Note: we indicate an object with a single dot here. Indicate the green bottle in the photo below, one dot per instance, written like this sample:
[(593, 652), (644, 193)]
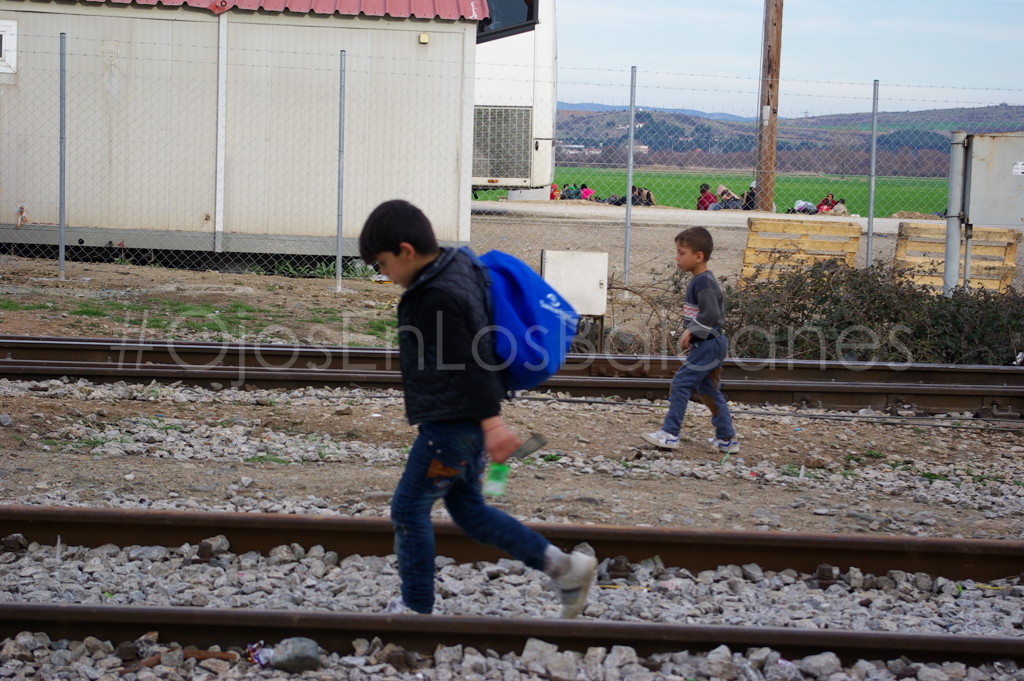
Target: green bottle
[(496, 479)]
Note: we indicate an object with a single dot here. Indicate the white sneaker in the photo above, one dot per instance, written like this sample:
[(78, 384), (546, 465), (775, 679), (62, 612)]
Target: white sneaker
[(575, 583), (397, 606), (660, 438), (730, 446)]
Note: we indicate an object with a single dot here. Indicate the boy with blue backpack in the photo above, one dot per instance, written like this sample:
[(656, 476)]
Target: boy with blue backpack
[(454, 385)]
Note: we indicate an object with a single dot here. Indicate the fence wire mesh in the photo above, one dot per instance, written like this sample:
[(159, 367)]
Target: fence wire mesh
[(152, 181), (822, 169)]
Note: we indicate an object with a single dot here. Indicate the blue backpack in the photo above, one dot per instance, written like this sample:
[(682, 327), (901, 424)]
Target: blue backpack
[(535, 325)]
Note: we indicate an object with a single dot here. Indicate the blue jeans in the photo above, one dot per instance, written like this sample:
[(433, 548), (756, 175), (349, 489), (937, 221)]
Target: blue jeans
[(448, 461), (701, 372)]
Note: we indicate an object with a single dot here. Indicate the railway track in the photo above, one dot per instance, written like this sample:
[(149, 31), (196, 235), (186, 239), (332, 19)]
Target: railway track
[(995, 391), (978, 559), (204, 627)]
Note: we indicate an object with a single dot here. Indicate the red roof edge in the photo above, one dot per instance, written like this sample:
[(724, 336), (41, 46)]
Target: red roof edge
[(473, 10)]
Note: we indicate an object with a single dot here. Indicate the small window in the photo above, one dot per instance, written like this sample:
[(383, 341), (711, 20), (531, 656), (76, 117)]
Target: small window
[(8, 46), (507, 17)]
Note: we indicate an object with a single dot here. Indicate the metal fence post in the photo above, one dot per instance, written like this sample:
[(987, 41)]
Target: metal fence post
[(954, 206), (871, 186), (63, 143), (341, 168), (968, 238), (629, 168), (220, 159)]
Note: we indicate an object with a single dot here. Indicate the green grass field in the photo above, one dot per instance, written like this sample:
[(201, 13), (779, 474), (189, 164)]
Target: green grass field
[(680, 189)]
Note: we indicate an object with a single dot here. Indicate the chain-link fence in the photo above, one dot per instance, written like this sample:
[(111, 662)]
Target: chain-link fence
[(179, 155), (693, 167), (183, 155)]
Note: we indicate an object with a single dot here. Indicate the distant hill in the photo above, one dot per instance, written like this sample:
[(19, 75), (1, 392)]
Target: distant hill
[(989, 117), (568, 106), (681, 130)]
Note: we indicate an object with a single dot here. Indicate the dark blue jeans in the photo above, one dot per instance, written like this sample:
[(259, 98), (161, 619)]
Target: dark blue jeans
[(448, 461), (701, 372)]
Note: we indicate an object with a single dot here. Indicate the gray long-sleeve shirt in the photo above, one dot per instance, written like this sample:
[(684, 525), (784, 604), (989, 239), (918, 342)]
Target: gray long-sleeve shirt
[(704, 306)]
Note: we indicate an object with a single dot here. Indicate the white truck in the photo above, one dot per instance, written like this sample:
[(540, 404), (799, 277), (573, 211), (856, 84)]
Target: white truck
[(515, 98)]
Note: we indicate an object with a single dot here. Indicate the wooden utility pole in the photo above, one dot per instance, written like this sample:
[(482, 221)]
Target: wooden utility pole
[(768, 115)]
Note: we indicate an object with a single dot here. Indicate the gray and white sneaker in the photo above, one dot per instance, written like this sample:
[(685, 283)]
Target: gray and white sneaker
[(730, 446), (397, 606), (660, 438), (574, 585)]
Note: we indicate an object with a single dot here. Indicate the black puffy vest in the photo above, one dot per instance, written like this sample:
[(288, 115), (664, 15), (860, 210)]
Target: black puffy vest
[(433, 394)]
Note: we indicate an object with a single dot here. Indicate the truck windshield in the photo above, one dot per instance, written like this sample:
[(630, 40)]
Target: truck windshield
[(506, 17)]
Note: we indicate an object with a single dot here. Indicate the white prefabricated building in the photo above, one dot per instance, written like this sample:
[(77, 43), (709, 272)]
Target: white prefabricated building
[(213, 125)]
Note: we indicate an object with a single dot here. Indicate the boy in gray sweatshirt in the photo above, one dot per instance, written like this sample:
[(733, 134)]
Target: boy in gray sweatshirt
[(703, 316)]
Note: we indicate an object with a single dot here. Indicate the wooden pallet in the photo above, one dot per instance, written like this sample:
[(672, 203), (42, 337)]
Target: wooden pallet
[(775, 245), (921, 249)]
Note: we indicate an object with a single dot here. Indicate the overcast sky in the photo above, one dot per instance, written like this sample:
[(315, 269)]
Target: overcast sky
[(976, 44)]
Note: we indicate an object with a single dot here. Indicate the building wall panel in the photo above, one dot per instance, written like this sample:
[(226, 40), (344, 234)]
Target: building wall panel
[(138, 93), (403, 124), (142, 112)]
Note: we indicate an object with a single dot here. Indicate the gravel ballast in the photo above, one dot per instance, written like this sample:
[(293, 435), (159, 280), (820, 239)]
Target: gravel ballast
[(292, 577), (991, 487), (34, 655)]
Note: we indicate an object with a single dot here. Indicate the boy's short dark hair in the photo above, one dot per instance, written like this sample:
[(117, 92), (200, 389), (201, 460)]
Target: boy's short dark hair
[(392, 223), (705, 188), (698, 240)]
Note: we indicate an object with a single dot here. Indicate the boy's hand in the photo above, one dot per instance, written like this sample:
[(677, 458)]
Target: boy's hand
[(499, 441), (684, 341)]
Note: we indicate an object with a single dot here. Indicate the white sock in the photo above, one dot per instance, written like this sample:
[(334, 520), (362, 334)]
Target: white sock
[(556, 561)]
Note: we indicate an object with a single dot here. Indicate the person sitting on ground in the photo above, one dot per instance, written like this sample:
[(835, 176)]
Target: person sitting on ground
[(750, 197), (646, 197), (586, 192), (453, 394), (707, 200), (827, 204), (555, 194), (840, 208), (575, 193), (729, 200)]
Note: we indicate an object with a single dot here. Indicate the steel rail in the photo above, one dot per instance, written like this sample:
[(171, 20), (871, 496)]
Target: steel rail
[(267, 355), (748, 390), (934, 388), (696, 550), (204, 627)]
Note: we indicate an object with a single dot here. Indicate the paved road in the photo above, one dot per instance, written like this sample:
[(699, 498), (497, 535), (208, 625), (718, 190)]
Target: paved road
[(654, 215)]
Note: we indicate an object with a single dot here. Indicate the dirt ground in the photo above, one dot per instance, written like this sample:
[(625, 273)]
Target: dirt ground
[(528, 229), (109, 300), (116, 301), (32, 464)]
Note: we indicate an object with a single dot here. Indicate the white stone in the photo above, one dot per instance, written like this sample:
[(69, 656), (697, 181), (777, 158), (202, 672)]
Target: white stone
[(821, 665)]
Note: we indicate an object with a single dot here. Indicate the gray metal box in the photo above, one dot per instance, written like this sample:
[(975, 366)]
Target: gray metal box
[(580, 277), (994, 184)]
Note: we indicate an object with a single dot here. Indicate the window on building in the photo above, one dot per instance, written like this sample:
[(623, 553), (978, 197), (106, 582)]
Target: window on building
[(8, 46), (507, 17)]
